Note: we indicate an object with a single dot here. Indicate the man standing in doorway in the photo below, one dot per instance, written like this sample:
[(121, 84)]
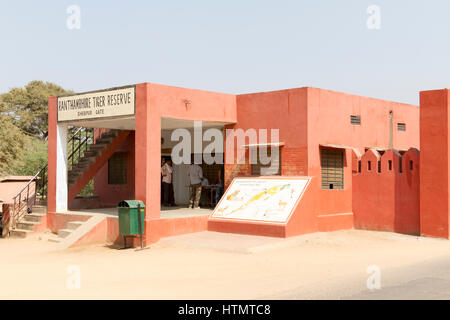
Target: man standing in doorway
[(167, 171), (195, 177)]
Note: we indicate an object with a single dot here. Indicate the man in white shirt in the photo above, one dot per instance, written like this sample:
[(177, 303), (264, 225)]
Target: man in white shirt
[(195, 178), (166, 172)]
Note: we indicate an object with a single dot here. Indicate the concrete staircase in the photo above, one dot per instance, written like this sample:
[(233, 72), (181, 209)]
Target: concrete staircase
[(93, 160), (30, 222), (75, 231), (89, 156), (64, 233)]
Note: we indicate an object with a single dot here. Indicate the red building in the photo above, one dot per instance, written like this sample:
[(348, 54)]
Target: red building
[(339, 140)]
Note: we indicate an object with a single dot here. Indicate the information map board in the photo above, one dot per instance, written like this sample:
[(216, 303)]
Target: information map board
[(261, 199)]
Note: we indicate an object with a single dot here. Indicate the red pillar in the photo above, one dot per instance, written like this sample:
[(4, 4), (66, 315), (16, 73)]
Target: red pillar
[(434, 163), (147, 152), (52, 153)]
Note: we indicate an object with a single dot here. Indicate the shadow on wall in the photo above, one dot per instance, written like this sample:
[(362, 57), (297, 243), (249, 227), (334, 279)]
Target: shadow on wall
[(386, 192)]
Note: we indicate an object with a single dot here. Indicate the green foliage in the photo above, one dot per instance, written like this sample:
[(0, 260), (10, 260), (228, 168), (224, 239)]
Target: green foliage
[(12, 144), (24, 127), (88, 190), (34, 158), (27, 107)]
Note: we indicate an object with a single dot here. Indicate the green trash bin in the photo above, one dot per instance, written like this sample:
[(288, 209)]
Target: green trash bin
[(128, 217)]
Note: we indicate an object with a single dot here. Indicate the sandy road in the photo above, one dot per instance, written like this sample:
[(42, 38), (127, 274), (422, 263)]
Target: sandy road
[(329, 265)]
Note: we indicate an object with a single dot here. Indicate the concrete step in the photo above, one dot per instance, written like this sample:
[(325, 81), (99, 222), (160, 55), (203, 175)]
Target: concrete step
[(74, 225), (98, 147), (77, 170), (92, 153), (27, 225), (73, 178), (73, 236), (86, 160), (34, 217), (55, 239), (104, 141), (39, 209), (75, 174), (19, 233), (42, 202), (80, 167), (64, 233), (109, 134)]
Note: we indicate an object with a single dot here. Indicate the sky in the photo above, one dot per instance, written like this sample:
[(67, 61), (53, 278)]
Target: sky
[(230, 46)]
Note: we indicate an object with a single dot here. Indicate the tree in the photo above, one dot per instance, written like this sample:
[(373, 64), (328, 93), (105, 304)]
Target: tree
[(33, 159), (27, 107), (12, 144)]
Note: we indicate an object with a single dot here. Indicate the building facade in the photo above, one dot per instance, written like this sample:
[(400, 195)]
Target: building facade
[(323, 134)]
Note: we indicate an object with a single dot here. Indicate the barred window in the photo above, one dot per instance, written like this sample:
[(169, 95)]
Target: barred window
[(332, 169), (271, 169), (401, 126), (117, 169)]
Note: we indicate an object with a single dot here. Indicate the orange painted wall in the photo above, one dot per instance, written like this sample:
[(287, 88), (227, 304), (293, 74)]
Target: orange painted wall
[(329, 123), (388, 200), (434, 163), (311, 117), (284, 110)]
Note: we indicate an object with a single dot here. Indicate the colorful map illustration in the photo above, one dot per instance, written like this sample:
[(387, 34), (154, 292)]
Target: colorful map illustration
[(263, 199)]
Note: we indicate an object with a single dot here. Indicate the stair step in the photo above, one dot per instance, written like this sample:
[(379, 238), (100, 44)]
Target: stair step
[(42, 202), (93, 153), (19, 233), (39, 209), (34, 217), (86, 160), (97, 147), (64, 233), (74, 174), (74, 225), (110, 134), (80, 167), (72, 180), (55, 239), (104, 141), (27, 225)]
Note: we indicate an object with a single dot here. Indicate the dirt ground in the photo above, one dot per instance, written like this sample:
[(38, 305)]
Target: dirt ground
[(314, 265)]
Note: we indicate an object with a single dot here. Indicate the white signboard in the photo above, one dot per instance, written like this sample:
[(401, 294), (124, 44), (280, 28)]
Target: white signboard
[(100, 104), (261, 199)]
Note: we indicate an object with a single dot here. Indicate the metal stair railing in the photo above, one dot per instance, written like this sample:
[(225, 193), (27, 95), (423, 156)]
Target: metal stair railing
[(37, 187)]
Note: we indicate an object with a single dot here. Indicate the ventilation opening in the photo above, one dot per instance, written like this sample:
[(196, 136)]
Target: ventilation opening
[(401, 126), (369, 165), (355, 120), (390, 165), (411, 165)]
